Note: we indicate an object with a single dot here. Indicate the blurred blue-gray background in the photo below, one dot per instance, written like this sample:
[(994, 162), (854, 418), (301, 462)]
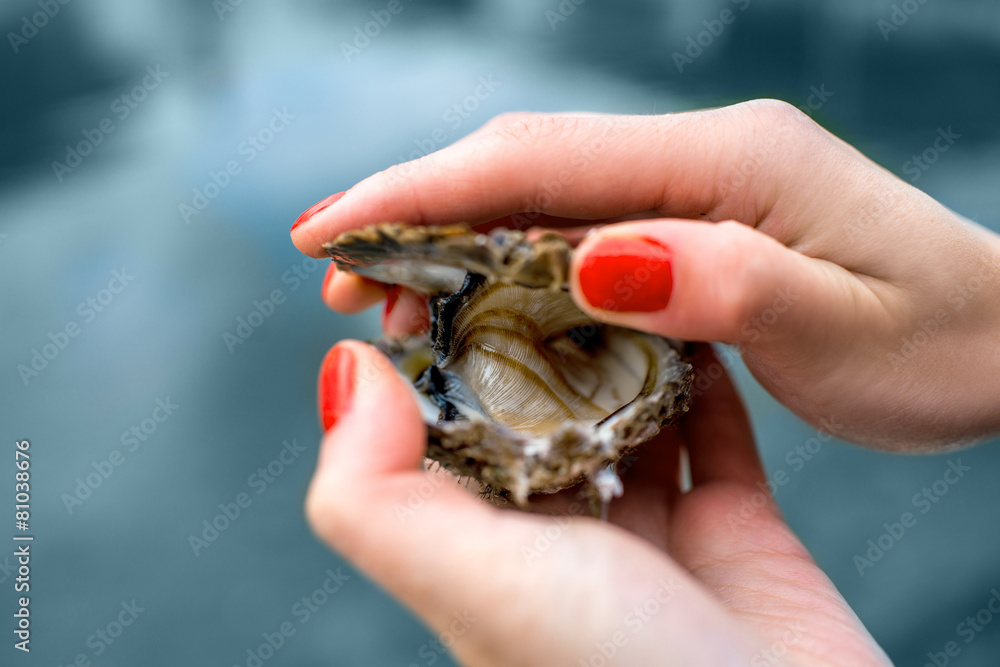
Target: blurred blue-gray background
[(128, 252)]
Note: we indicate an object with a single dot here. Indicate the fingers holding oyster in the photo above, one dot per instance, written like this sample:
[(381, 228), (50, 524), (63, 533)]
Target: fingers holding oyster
[(541, 589), (783, 239)]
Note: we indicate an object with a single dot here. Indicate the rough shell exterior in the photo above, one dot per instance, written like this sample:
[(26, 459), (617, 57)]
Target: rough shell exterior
[(505, 461), (500, 255)]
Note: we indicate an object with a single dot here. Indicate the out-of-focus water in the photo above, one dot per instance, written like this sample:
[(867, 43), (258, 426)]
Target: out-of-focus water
[(105, 247)]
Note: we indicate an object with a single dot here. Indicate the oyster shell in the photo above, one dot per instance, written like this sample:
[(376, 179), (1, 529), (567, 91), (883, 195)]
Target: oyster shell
[(519, 388)]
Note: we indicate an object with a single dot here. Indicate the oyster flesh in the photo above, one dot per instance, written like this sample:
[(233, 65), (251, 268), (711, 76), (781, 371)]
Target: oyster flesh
[(518, 387)]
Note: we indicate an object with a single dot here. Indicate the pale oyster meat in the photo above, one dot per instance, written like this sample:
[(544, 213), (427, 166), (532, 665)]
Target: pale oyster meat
[(518, 387)]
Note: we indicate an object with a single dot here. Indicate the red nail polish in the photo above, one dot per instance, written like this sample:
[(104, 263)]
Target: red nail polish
[(336, 385), (627, 274), (391, 297), (331, 271), (317, 207)]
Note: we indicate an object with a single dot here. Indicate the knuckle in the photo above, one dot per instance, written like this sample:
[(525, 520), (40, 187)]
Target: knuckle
[(773, 110), (769, 140), (780, 119)]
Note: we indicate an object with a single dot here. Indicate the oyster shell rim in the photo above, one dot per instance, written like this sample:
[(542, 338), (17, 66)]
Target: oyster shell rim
[(500, 253)]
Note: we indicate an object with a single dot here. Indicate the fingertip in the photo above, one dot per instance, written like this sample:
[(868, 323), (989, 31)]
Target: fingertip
[(349, 293), (304, 228), (305, 242), (625, 273), (719, 278), (372, 421), (363, 448), (406, 312), (336, 384), (371, 458)]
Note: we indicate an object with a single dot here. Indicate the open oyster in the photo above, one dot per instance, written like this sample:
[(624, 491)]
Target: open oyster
[(519, 388)]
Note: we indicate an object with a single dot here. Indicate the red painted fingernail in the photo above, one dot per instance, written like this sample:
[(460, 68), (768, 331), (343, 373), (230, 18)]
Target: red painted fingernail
[(336, 385), (627, 274), (317, 207), (331, 271), (391, 297)]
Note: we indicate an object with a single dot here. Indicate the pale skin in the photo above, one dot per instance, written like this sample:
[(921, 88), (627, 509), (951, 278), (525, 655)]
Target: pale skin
[(827, 271)]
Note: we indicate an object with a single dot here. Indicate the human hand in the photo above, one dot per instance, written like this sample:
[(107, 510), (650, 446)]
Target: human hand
[(855, 299), (673, 578)]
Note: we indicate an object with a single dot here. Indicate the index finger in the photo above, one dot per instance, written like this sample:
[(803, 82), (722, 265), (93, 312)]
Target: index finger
[(580, 168)]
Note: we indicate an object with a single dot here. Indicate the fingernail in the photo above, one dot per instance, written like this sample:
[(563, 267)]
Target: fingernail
[(336, 385), (317, 207), (331, 271), (627, 274), (391, 297)]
